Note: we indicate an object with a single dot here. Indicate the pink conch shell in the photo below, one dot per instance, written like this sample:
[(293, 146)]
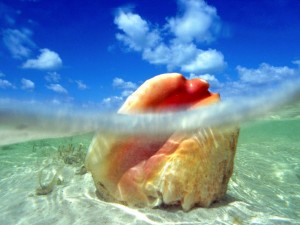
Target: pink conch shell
[(181, 168)]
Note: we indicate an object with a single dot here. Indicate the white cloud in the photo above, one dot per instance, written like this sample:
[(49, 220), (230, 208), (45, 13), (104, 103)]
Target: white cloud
[(5, 84), (46, 60), (205, 61), (126, 93), (211, 79), (81, 85), (120, 83), (265, 73), (253, 80), (57, 88), (174, 55), (18, 42), (52, 77), (27, 84), (161, 54), (126, 87), (181, 51), (199, 22), (187, 57), (137, 34), (112, 102), (296, 62), (112, 99), (208, 77)]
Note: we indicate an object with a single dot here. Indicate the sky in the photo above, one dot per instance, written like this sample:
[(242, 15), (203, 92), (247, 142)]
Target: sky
[(94, 54)]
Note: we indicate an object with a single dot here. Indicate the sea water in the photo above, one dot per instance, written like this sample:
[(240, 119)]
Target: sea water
[(264, 188)]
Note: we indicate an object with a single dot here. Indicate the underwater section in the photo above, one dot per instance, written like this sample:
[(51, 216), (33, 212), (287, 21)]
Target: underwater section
[(44, 182)]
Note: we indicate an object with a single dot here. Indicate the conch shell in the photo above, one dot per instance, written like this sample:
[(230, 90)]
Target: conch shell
[(184, 169)]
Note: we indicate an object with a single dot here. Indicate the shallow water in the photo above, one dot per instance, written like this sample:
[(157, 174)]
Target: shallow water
[(264, 189)]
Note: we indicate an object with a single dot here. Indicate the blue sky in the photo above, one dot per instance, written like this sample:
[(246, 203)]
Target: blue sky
[(95, 53)]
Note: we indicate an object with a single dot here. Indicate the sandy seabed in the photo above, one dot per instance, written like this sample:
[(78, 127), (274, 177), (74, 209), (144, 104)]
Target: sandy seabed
[(265, 187)]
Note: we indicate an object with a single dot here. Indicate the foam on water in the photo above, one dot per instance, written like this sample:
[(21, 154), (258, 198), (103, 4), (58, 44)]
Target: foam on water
[(20, 122)]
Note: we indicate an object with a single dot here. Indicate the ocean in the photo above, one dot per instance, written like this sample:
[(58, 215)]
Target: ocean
[(264, 188)]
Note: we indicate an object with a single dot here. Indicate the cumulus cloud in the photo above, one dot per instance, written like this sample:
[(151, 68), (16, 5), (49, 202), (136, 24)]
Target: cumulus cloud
[(137, 34), (265, 73), (5, 84), (205, 61), (81, 85), (187, 57), (296, 62), (120, 83), (181, 50), (57, 88), (27, 84), (126, 88), (211, 79), (173, 55), (46, 60), (112, 102), (126, 93), (18, 42), (109, 100), (253, 80), (52, 77), (199, 22)]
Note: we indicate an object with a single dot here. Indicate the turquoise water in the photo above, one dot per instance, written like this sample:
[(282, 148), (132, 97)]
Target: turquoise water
[(264, 189)]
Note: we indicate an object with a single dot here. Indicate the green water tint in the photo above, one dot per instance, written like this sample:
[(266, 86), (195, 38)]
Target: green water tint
[(267, 167), (264, 189), (50, 157), (68, 155), (45, 189)]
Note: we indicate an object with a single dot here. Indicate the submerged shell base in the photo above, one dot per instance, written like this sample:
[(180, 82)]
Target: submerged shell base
[(195, 172)]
